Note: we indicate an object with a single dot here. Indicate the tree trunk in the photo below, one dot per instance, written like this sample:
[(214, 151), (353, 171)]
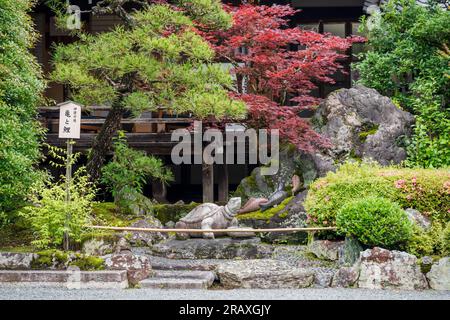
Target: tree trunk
[(102, 142)]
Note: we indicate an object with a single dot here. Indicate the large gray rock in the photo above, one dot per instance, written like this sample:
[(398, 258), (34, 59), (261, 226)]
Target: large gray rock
[(179, 279), (326, 249), (293, 215), (298, 256), (219, 248), (262, 186), (146, 238), (381, 269), (263, 274), (122, 246), (360, 123), (323, 277), (133, 203), (439, 275), (16, 261), (97, 247), (345, 277), (138, 267), (349, 252), (417, 218)]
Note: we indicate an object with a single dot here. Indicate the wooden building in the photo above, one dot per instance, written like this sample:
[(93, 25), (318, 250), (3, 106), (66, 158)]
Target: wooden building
[(151, 132)]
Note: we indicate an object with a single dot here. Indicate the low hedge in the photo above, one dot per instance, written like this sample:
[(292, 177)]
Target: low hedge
[(375, 222), (426, 190)]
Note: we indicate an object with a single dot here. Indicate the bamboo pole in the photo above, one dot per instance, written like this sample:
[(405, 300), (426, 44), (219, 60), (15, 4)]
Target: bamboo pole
[(213, 230)]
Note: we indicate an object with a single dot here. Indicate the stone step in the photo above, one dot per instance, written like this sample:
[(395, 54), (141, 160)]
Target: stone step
[(174, 283), (116, 279), (187, 274), (161, 263), (179, 279), (219, 248)]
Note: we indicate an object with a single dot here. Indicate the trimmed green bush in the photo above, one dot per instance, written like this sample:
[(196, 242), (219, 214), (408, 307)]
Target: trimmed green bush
[(426, 190), (445, 240), (374, 221), (426, 242)]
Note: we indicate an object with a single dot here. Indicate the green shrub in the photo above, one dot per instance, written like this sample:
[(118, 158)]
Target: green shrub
[(426, 190), (51, 215), (407, 60), (4, 220), (426, 243), (374, 221), (445, 240), (21, 86), (127, 174)]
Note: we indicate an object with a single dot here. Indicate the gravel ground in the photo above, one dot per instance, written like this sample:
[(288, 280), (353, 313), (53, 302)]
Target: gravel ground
[(11, 292)]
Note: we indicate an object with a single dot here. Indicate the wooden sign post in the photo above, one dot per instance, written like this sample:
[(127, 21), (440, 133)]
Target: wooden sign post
[(69, 128)]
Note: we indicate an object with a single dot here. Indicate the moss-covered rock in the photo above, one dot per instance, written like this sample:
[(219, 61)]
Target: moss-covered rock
[(172, 212), (366, 131), (266, 215), (56, 259), (88, 263), (289, 213), (131, 202), (257, 185), (107, 214)]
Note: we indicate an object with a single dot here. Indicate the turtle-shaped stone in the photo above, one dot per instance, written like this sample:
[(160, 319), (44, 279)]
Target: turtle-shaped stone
[(210, 216)]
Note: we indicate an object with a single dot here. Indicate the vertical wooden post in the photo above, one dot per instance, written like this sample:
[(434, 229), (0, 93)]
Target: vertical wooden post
[(208, 182), (66, 240), (222, 180)]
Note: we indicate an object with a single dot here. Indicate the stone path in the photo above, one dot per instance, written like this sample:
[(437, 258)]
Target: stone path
[(17, 293)]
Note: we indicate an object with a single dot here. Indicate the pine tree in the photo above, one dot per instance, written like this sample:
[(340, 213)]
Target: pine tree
[(155, 58)]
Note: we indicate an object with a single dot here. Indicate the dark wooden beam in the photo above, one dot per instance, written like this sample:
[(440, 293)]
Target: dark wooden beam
[(208, 182), (153, 143), (127, 121), (222, 181)]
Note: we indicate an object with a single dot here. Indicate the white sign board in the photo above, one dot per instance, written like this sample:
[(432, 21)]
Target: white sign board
[(69, 120)]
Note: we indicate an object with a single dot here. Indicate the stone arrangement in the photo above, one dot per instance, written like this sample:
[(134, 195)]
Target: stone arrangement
[(361, 124), (244, 263)]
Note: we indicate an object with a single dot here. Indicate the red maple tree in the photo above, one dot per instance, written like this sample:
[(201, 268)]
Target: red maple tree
[(276, 65)]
